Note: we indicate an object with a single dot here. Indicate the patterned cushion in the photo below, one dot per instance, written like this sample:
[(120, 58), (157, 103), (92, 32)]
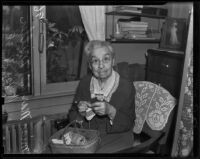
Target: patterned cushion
[(153, 105)]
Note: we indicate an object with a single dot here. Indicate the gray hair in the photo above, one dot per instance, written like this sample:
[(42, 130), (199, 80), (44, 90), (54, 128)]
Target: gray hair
[(94, 44)]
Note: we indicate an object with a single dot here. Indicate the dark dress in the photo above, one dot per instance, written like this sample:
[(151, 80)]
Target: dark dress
[(119, 135)]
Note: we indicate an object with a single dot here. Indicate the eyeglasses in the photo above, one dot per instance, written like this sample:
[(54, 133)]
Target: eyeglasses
[(105, 60)]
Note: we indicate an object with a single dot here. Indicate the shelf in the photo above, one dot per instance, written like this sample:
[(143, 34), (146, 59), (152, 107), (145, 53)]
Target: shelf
[(133, 40), (135, 14)]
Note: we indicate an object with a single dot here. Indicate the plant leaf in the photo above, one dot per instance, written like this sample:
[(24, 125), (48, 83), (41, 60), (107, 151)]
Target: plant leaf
[(53, 29), (51, 24)]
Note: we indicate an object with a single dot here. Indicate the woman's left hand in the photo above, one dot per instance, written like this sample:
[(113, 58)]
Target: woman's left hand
[(101, 108)]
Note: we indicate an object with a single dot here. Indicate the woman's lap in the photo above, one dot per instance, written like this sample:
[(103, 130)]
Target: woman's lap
[(112, 143)]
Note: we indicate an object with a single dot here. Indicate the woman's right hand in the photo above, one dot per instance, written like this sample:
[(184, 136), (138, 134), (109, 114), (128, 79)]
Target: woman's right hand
[(82, 106)]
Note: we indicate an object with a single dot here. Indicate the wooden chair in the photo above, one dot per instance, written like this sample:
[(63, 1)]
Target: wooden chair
[(154, 108)]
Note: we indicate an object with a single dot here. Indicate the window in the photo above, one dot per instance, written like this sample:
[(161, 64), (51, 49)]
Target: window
[(43, 48), (64, 42), (60, 54), (16, 54)]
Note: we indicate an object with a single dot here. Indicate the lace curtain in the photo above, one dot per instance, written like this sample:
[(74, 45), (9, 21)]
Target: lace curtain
[(93, 18)]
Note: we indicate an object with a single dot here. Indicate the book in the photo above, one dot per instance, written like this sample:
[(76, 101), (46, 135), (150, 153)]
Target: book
[(134, 6), (146, 38), (135, 32), (134, 29), (139, 23), (133, 24)]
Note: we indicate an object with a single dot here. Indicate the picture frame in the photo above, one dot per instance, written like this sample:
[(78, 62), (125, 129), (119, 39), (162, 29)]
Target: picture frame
[(174, 34)]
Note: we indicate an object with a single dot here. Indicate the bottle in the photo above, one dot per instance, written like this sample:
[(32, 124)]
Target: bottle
[(118, 35)]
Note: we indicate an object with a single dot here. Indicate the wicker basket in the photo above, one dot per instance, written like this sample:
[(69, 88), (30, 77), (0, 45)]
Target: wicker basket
[(92, 136)]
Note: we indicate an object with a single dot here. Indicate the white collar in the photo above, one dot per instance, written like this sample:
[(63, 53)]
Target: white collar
[(109, 87)]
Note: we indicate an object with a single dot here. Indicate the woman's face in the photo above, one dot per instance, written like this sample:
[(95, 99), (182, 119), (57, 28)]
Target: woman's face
[(101, 63)]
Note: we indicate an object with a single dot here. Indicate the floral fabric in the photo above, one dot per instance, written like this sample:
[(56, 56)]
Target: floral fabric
[(153, 104), (184, 147), (185, 140)]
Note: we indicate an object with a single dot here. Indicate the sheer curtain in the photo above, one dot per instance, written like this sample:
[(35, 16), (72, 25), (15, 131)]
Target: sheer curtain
[(93, 18)]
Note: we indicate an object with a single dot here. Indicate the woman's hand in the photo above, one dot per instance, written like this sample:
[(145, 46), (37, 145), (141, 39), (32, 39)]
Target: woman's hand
[(82, 107), (102, 108)]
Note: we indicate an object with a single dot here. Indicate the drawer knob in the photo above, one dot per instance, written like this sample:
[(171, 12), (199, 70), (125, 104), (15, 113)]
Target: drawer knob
[(165, 65)]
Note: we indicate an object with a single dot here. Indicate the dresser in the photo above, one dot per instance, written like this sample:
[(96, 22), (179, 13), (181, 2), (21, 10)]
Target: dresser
[(165, 68)]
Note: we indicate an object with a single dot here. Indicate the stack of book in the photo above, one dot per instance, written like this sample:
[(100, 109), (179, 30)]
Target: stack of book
[(134, 29)]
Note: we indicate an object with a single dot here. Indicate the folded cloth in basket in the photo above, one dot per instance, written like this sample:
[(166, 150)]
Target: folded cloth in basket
[(57, 141), (71, 138)]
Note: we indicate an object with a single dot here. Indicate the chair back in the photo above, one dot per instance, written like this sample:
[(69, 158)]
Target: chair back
[(154, 107)]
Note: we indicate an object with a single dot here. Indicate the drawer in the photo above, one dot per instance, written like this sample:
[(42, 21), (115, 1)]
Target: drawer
[(163, 64), (171, 83)]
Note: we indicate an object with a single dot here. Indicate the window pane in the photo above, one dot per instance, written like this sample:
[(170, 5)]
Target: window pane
[(16, 55), (64, 42)]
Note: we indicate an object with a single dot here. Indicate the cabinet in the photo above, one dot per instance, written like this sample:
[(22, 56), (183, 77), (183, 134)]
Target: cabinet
[(112, 22), (165, 68)]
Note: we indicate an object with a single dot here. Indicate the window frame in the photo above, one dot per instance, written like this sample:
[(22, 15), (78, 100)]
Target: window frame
[(40, 86)]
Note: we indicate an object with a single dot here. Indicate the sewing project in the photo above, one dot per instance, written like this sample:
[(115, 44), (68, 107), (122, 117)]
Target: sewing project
[(104, 94), (89, 114)]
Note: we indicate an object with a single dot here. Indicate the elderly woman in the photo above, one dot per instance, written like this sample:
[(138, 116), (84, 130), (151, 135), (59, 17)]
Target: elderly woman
[(104, 101)]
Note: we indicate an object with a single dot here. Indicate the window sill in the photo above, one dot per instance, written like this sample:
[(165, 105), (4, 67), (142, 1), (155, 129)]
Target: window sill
[(13, 99)]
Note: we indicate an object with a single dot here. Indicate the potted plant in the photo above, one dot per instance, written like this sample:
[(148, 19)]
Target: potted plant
[(61, 43), (13, 70), (16, 58)]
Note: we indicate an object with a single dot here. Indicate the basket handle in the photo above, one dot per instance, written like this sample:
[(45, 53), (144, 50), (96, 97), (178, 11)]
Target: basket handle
[(72, 122)]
